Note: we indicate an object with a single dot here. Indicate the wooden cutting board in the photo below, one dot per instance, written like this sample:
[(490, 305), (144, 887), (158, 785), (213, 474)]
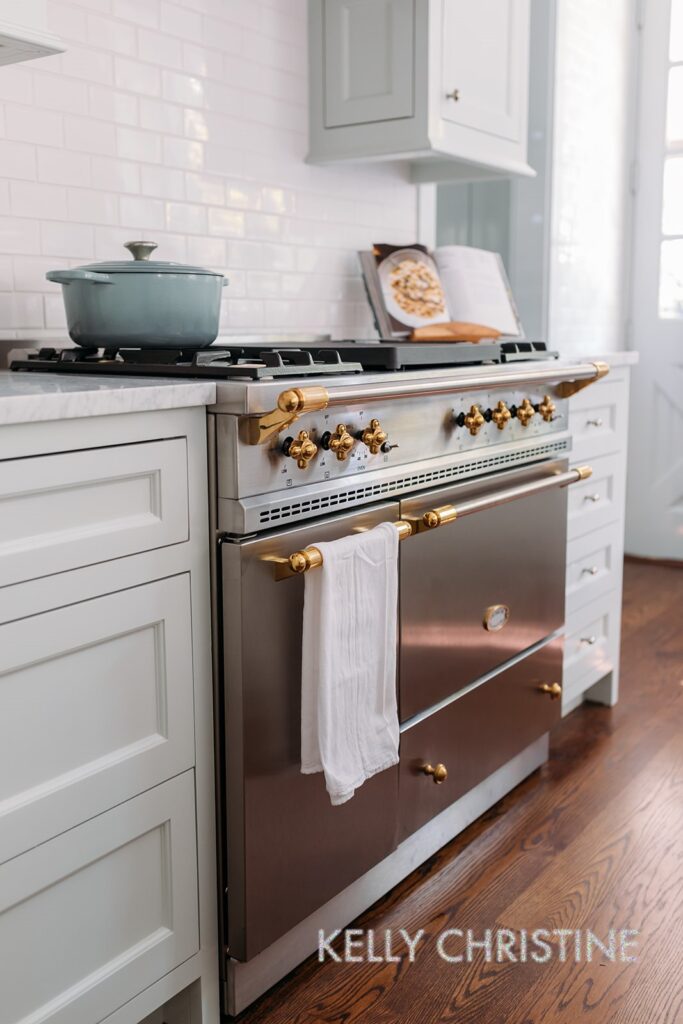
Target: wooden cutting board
[(454, 331)]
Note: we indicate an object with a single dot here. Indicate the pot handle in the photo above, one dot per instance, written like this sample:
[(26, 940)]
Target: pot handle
[(67, 276)]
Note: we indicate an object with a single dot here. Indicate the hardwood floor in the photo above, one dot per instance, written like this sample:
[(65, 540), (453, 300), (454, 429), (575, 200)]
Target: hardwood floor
[(594, 840)]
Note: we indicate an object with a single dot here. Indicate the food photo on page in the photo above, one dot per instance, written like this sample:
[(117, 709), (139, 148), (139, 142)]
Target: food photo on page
[(341, 511)]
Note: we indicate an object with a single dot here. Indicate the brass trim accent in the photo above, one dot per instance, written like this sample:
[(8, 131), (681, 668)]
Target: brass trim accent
[(525, 412), (439, 516), (311, 557), (567, 388), (291, 404), (373, 437), (491, 616), (554, 690), (302, 449), (474, 420), (547, 408), (341, 443), (438, 772), (583, 472), (501, 415)]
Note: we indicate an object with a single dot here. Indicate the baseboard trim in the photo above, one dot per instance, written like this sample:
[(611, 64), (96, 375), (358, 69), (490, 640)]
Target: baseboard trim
[(247, 981)]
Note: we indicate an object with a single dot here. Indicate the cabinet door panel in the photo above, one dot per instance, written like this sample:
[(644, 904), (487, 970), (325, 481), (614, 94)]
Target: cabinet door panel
[(90, 919), (368, 60), (96, 705), (484, 54)]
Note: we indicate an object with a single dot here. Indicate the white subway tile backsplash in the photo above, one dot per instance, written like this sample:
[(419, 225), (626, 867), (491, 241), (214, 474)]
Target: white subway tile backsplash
[(137, 76), (184, 121), (30, 124), (36, 199), (141, 146), (90, 135)]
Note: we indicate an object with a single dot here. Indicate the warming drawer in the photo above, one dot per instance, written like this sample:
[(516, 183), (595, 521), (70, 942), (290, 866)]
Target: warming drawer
[(476, 734)]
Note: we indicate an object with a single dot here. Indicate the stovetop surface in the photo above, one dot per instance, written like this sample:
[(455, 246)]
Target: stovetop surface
[(261, 360)]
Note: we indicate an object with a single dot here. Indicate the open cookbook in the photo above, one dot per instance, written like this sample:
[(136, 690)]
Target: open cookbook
[(455, 293)]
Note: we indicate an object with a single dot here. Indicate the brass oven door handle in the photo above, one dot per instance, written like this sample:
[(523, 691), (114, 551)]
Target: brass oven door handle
[(311, 557), (449, 513)]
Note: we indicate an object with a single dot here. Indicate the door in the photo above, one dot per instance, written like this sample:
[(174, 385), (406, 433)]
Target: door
[(654, 509), (477, 591), (484, 64), (288, 850)]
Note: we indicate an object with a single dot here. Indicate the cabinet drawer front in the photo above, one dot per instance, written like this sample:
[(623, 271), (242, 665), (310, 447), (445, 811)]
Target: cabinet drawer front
[(476, 734), (368, 61), (599, 422), (111, 904), (62, 511), (594, 565), (592, 640), (96, 705), (597, 501)]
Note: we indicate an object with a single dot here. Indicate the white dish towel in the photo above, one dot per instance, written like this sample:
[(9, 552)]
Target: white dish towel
[(349, 717)]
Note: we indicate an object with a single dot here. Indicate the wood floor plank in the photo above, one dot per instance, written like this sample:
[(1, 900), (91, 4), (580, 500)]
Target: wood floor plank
[(594, 834)]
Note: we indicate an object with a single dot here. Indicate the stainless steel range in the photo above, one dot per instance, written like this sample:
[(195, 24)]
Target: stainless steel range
[(465, 449), (470, 463)]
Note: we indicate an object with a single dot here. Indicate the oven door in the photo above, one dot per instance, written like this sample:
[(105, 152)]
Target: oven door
[(482, 587), (287, 849)]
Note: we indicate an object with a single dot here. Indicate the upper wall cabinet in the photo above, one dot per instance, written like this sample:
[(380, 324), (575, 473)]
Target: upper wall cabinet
[(24, 33), (441, 83)]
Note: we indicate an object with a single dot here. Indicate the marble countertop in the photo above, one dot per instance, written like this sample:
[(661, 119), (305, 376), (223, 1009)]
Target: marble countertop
[(30, 397)]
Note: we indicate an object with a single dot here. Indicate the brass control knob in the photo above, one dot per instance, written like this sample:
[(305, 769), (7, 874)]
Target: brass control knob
[(341, 442), (501, 415), (547, 408), (438, 772), (374, 437), (554, 690), (525, 412), (301, 448), (474, 420)]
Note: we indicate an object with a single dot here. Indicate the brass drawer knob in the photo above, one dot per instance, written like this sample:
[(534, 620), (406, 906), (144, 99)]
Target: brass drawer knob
[(438, 772), (554, 690)]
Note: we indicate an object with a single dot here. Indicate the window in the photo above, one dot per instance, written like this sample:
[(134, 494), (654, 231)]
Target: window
[(671, 249)]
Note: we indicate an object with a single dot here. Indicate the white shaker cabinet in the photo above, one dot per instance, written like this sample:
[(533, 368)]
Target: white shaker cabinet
[(441, 83)]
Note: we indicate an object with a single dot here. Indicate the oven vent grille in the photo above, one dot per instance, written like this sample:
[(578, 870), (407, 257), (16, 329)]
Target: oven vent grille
[(306, 507)]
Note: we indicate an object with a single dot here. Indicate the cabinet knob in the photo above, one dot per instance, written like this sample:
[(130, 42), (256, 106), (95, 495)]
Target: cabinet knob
[(438, 772), (554, 690), (455, 95), (592, 571)]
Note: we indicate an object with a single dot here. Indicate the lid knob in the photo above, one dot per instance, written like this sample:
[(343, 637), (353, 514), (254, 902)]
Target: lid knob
[(141, 250)]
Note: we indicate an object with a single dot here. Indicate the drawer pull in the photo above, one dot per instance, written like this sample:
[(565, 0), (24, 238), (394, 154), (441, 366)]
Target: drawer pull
[(589, 640), (592, 571), (595, 423), (554, 690), (438, 772), (592, 497)]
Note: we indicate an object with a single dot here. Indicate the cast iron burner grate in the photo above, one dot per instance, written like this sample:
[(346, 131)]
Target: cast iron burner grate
[(250, 363)]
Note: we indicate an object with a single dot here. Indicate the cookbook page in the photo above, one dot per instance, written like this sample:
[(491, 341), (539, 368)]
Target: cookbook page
[(477, 288)]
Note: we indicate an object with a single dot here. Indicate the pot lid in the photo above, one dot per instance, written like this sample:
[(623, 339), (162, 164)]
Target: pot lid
[(141, 263)]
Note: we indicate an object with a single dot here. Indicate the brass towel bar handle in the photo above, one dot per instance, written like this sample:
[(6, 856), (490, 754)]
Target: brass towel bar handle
[(311, 557), (295, 402)]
